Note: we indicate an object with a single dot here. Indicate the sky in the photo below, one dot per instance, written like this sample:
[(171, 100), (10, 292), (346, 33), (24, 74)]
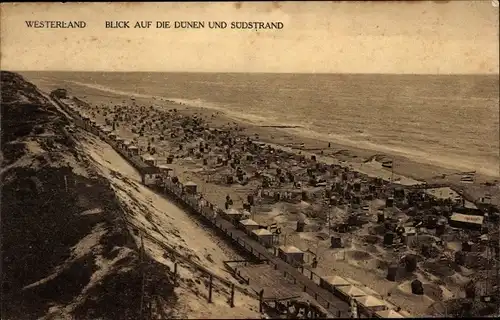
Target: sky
[(424, 37)]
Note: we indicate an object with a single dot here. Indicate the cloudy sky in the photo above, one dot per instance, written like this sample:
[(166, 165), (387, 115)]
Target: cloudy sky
[(347, 37)]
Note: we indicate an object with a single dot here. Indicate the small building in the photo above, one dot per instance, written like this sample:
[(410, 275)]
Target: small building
[(348, 293), (332, 282), (119, 141), (469, 246), (106, 130), (264, 236), (86, 121), (409, 234), (190, 187), (166, 170), (384, 314), (389, 202), (133, 150), (100, 128), (149, 160), (232, 214), (94, 127), (369, 304), (60, 93), (249, 225), (245, 214), (466, 221), (335, 242), (369, 291), (104, 133), (291, 255), (150, 176)]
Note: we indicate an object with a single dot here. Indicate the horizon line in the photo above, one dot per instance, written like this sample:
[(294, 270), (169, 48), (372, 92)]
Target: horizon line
[(266, 72)]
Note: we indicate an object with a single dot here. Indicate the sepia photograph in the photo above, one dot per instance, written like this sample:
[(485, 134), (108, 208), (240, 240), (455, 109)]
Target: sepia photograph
[(250, 160)]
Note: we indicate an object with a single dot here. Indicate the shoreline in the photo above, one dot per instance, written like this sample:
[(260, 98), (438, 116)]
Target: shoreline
[(299, 131), (403, 166)]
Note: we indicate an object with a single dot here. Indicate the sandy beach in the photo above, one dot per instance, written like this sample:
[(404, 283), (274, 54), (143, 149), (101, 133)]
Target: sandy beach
[(288, 136), (155, 125)]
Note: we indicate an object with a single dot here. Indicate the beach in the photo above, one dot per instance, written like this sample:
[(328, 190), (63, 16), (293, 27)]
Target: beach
[(163, 129), (445, 121), (422, 167)]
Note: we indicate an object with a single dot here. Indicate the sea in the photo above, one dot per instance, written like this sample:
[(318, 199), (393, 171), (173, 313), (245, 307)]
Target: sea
[(447, 120)]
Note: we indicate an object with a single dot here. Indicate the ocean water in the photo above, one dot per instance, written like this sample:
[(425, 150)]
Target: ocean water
[(451, 121)]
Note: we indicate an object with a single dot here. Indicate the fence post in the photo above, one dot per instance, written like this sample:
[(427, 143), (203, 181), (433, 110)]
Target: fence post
[(311, 276), (210, 289), (175, 273), (261, 300), (232, 295)]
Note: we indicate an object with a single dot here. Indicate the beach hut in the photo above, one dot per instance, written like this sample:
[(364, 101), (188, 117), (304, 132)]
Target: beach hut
[(150, 175), (264, 236), (291, 255), (332, 282), (389, 202), (232, 214), (105, 131), (409, 235), (249, 225), (133, 150), (245, 214), (149, 160), (369, 291), (165, 169), (335, 242), (190, 187), (466, 221), (86, 121), (349, 292), (387, 314), (119, 141), (369, 304), (94, 127), (60, 93)]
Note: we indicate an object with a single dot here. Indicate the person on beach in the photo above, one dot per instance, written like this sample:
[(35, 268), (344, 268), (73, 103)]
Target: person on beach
[(314, 263)]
